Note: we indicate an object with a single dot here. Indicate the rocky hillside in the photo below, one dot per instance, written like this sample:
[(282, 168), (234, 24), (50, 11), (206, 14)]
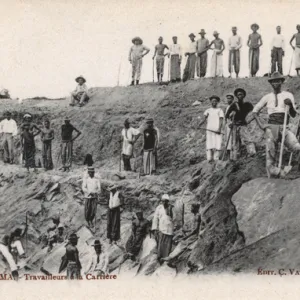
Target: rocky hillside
[(244, 215)]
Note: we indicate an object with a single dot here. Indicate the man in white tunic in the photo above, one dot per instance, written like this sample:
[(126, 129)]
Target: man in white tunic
[(276, 103), (98, 265), (129, 136), (214, 117), (277, 51), (234, 44)]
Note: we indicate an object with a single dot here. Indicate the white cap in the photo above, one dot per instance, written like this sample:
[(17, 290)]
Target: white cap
[(165, 197)]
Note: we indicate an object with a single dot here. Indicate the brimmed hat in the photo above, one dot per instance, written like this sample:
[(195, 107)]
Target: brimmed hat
[(191, 35), (215, 97), (7, 113), (112, 186), (127, 121), (60, 225), (215, 32), (202, 31), (165, 197), (254, 25), (80, 77), (229, 95), (56, 217), (96, 243), (233, 27), (137, 39), (275, 76), (67, 118), (240, 90), (91, 169), (27, 116), (149, 120), (73, 236), (175, 36)]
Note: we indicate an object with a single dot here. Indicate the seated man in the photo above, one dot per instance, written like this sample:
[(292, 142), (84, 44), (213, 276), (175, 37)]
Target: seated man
[(80, 95)]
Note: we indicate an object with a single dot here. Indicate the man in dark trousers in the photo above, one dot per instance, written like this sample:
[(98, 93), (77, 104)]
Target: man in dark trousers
[(67, 143), (151, 139), (237, 113)]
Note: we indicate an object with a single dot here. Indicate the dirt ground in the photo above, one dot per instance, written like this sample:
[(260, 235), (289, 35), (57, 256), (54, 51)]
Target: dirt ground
[(181, 163)]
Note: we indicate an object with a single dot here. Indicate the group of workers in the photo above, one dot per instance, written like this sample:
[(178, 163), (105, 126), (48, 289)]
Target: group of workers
[(197, 55)]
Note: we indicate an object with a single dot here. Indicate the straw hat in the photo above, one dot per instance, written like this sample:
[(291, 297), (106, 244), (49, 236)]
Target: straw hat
[(137, 38), (80, 77), (240, 90), (215, 97), (275, 76)]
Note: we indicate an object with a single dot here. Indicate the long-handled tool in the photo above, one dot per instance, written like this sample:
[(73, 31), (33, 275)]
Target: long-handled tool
[(250, 62), (153, 70), (211, 130), (289, 75), (120, 160), (283, 137), (26, 235), (227, 142), (118, 83)]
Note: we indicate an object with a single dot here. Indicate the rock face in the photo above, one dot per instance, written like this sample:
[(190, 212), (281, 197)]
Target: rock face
[(266, 206)]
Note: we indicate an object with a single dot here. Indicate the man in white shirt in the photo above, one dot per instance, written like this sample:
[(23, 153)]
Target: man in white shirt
[(80, 95), (276, 103), (8, 130), (175, 55), (189, 71), (129, 136), (91, 188), (234, 44), (99, 263), (162, 227), (136, 54), (277, 50)]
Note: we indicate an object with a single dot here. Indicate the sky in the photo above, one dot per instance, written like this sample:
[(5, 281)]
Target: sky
[(46, 44)]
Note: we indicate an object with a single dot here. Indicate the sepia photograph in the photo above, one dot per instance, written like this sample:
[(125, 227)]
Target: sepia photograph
[(149, 149)]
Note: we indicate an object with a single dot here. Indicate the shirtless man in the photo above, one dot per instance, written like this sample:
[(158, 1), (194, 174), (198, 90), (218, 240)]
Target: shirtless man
[(254, 43), (72, 254), (160, 58), (217, 57), (296, 48), (47, 135)]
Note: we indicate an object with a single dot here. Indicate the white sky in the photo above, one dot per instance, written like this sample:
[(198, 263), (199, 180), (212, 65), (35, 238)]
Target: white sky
[(45, 44)]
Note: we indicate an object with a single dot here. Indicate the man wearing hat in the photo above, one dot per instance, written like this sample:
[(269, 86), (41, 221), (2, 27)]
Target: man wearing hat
[(67, 143), (91, 188), (8, 130), (296, 49), (136, 54), (254, 43), (217, 57), (80, 95), (114, 214), (72, 257), (151, 139), (189, 70), (159, 52), (129, 137), (175, 55), (240, 135), (214, 117), (202, 47), (98, 264), (139, 231), (276, 104), (163, 228), (234, 44)]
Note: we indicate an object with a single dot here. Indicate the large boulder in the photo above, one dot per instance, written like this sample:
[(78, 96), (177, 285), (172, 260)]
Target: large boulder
[(265, 206)]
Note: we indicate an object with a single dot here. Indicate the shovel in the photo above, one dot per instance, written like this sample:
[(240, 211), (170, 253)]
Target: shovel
[(289, 75), (288, 168)]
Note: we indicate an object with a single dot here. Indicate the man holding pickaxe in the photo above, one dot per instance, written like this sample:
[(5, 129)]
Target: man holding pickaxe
[(280, 106)]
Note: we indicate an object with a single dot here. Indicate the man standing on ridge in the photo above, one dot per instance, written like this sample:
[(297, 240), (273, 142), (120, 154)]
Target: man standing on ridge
[(189, 71), (277, 51), (202, 48), (175, 56), (254, 43), (9, 130), (276, 103), (234, 44), (217, 57), (160, 58), (296, 49), (136, 54), (67, 143)]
